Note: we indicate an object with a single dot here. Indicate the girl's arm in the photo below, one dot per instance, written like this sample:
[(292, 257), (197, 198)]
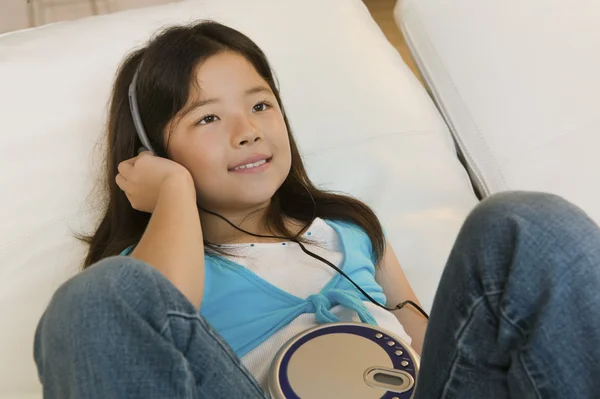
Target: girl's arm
[(172, 242), (396, 288)]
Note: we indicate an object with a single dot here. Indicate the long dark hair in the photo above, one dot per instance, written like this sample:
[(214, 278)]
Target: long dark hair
[(163, 86)]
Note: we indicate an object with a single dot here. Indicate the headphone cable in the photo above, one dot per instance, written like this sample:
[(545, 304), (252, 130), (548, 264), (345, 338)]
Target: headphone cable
[(319, 258)]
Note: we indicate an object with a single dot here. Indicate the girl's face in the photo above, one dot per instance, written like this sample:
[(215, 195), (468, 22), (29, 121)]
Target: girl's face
[(231, 136)]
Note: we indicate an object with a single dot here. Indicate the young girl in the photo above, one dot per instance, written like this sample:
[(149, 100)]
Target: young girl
[(205, 296)]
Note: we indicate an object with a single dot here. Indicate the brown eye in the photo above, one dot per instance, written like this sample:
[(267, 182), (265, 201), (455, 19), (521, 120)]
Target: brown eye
[(208, 119), (263, 106)]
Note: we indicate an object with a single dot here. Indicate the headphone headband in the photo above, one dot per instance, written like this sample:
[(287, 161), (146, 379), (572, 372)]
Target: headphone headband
[(135, 113)]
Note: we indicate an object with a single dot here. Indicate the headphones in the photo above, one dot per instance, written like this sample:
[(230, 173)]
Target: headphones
[(139, 127), (135, 113)]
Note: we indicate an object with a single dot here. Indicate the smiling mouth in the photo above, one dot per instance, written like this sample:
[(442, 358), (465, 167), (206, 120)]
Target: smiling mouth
[(252, 165)]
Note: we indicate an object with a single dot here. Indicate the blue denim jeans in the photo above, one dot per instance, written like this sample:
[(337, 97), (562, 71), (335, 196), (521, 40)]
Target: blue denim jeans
[(516, 315)]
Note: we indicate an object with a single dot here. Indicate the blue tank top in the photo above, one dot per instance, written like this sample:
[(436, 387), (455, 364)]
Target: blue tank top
[(246, 310)]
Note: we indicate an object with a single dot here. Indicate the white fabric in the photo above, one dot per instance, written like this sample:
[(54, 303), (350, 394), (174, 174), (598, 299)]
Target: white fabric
[(363, 123), (287, 267), (518, 83)]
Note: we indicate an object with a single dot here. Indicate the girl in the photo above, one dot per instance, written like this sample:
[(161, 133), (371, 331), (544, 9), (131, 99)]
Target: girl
[(214, 225)]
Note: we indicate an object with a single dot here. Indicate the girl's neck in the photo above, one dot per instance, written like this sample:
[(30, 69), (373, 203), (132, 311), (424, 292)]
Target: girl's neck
[(217, 231)]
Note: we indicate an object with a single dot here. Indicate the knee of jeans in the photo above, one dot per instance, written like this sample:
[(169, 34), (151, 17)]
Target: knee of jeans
[(121, 270), (543, 209), (98, 285), (124, 269), (78, 306)]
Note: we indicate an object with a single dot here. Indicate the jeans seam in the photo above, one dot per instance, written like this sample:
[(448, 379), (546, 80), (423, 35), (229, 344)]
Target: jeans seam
[(523, 335), (530, 377), (458, 337), (504, 315), (236, 360), (471, 312)]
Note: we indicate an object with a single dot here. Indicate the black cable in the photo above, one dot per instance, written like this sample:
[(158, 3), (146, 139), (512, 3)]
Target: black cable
[(398, 307), (325, 261), (147, 147)]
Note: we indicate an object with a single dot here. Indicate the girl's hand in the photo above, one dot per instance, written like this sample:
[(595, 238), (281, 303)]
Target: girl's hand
[(142, 178)]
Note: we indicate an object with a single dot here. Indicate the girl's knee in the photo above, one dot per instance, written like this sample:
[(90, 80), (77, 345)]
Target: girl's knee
[(524, 202), (85, 306), (97, 287), (540, 214), (122, 269), (531, 206)]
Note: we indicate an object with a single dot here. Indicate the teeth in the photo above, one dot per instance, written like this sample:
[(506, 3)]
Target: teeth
[(251, 165)]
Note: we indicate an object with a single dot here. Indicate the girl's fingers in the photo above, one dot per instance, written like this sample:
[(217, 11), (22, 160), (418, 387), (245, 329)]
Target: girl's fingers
[(143, 154), (125, 166), (121, 181)]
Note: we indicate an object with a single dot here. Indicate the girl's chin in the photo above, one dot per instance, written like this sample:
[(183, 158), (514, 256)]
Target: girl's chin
[(249, 202)]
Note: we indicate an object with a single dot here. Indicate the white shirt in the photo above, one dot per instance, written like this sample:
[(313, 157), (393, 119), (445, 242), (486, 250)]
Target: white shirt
[(287, 267)]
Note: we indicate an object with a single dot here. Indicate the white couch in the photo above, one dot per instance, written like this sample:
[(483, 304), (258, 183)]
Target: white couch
[(518, 83), (363, 123)]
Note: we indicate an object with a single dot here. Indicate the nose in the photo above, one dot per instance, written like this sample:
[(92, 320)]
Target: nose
[(245, 132)]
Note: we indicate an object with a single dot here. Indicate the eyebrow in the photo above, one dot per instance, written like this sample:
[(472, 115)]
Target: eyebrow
[(201, 103)]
